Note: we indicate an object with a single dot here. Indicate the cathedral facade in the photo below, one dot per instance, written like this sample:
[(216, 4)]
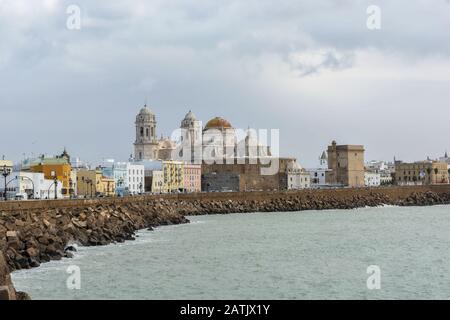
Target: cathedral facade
[(217, 142)]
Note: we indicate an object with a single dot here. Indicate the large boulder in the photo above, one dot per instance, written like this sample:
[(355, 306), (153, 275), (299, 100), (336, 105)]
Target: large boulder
[(7, 290)]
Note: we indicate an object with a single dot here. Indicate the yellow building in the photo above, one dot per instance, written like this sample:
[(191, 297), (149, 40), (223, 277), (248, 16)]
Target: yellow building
[(92, 183), (53, 168), (420, 173), (173, 173), (6, 163)]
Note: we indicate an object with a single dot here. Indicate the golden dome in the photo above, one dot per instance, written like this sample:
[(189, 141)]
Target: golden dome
[(218, 123)]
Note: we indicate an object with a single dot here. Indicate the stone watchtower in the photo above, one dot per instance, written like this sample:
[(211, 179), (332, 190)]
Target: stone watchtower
[(146, 145), (346, 164)]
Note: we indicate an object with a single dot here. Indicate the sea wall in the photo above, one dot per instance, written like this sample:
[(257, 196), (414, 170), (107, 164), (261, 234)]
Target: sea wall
[(33, 232)]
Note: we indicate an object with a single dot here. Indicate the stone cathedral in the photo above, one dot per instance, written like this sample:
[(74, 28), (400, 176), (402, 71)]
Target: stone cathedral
[(148, 147)]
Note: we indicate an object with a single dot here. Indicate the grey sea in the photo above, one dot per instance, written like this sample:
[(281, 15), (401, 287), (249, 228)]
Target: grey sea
[(295, 255)]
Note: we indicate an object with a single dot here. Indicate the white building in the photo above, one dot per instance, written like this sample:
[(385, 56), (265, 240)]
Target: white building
[(318, 175), (31, 185), (384, 169), (372, 179), (128, 176), (297, 177), (136, 178)]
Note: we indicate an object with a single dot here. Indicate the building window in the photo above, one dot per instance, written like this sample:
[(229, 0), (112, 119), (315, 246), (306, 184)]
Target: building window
[(142, 131)]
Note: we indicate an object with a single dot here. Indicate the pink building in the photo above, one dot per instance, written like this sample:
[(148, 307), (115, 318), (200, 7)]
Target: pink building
[(193, 177)]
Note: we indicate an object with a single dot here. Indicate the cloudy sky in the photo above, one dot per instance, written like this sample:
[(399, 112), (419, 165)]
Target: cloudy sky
[(312, 69)]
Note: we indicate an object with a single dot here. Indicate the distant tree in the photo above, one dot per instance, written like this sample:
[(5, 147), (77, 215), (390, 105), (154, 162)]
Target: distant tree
[(429, 174)]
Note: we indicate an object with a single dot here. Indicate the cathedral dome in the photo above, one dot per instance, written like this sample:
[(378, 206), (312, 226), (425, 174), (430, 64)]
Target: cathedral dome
[(145, 114), (218, 123), (145, 110), (190, 116)]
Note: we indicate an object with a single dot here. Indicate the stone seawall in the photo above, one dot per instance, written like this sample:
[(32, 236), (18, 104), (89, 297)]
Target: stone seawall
[(33, 232)]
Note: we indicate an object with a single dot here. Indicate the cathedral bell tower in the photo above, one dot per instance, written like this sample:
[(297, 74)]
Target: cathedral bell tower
[(146, 145)]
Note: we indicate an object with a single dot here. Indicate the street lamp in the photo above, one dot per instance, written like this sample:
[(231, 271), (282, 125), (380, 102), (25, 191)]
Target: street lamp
[(55, 183), (5, 173), (32, 182), (119, 185)]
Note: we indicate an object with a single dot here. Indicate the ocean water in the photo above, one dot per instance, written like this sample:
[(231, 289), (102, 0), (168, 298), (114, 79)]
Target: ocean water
[(296, 255)]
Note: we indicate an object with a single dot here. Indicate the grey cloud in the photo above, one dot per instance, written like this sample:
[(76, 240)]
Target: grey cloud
[(81, 89)]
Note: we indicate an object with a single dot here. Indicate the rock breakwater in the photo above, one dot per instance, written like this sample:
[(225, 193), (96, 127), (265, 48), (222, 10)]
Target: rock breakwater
[(34, 233), (28, 238)]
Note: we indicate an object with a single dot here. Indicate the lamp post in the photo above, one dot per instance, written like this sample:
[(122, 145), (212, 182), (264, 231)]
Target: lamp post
[(55, 181), (32, 183), (5, 173), (119, 184)]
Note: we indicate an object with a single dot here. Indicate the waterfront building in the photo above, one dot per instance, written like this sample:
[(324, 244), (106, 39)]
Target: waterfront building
[(117, 171), (173, 172), (92, 183), (192, 177), (73, 183), (53, 167), (346, 164), (8, 164), (248, 177), (372, 179), (318, 174), (297, 177), (129, 177), (386, 178), (157, 181), (421, 173), (150, 166), (31, 185), (136, 178), (172, 179), (446, 160), (384, 169)]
